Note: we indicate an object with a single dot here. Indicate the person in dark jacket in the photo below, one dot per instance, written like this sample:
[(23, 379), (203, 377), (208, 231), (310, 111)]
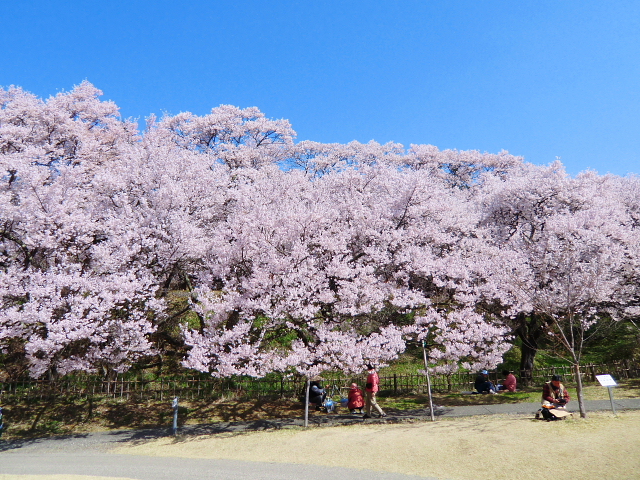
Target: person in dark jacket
[(483, 384), (317, 394)]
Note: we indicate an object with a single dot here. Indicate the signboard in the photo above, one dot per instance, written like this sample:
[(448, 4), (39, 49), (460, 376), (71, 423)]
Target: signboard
[(606, 380)]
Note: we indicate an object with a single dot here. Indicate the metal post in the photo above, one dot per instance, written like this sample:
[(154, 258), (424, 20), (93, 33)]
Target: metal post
[(175, 415), (426, 369), (613, 408), (306, 403)]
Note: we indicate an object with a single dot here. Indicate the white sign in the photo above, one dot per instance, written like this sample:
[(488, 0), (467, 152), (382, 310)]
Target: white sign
[(606, 380)]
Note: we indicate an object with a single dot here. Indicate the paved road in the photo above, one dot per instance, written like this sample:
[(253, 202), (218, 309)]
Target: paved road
[(159, 468), (89, 454)]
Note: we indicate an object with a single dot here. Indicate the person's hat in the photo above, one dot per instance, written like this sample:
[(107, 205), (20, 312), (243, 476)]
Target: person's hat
[(484, 372), (556, 378)]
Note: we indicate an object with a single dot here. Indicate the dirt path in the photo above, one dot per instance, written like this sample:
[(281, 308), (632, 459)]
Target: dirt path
[(601, 446), (58, 477), (470, 448)]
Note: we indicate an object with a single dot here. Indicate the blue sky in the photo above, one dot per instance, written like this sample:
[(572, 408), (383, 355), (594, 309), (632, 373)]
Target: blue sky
[(541, 79)]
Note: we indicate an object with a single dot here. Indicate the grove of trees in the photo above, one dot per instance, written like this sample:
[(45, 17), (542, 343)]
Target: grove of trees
[(221, 242)]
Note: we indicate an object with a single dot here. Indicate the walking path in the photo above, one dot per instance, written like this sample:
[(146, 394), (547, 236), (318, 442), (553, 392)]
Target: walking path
[(87, 454), (401, 416), (530, 408)]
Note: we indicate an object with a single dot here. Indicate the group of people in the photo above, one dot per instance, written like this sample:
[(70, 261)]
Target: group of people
[(554, 394), (484, 385), (356, 400)]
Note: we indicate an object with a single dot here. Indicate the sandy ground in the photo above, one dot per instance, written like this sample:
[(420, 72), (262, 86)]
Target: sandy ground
[(58, 477), (473, 448), (497, 447)]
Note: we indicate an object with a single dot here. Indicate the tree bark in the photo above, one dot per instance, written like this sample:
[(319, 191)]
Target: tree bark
[(527, 358), (576, 371), (530, 330)]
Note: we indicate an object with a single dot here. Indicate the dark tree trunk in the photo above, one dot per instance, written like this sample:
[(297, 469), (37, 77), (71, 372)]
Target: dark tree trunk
[(530, 330), (527, 358)]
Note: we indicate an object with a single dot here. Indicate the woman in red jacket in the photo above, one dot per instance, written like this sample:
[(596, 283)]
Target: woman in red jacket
[(373, 385), (356, 402)]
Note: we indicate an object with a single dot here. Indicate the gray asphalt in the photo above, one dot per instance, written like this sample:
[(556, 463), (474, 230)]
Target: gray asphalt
[(530, 408), (89, 454), (159, 468)]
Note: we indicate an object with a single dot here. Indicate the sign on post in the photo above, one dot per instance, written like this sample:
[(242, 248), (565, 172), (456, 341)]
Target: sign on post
[(606, 381), (609, 382)]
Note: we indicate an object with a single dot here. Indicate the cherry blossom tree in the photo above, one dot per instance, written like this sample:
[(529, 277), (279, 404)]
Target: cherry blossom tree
[(88, 202), (516, 209), (306, 256), (70, 320), (282, 279), (460, 169), (66, 304), (230, 135), (463, 335), (564, 256), (247, 253)]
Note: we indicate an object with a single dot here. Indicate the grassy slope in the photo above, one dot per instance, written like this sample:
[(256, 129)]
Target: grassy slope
[(64, 417)]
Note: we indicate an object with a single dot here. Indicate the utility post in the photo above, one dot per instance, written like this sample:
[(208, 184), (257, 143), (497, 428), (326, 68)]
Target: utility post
[(426, 370), (306, 403), (175, 415)]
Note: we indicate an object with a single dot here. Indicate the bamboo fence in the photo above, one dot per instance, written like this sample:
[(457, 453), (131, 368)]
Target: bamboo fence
[(141, 387)]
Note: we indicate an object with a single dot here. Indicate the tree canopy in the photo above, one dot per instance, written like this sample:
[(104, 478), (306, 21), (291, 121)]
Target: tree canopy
[(222, 239)]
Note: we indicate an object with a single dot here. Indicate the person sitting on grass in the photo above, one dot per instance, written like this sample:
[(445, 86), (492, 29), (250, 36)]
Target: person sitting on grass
[(554, 393), (509, 383), (356, 401), (483, 384), (554, 400)]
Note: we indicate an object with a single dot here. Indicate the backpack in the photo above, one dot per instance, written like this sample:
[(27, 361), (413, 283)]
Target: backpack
[(329, 404)]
